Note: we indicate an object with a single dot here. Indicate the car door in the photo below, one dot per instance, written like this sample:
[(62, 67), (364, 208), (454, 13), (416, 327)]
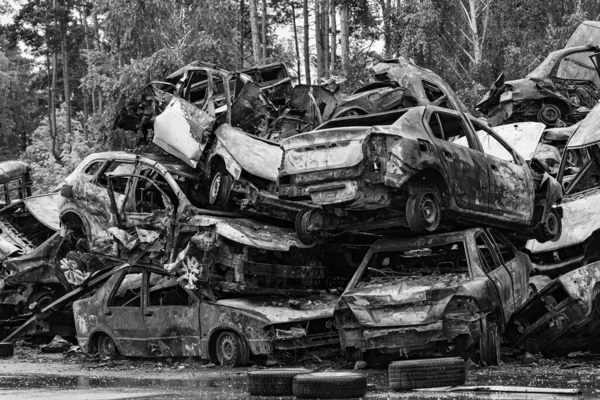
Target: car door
[(148, 209), (497, 273), (171, 317), (123, 313), (518, 270), (511, 186), (461, 159)]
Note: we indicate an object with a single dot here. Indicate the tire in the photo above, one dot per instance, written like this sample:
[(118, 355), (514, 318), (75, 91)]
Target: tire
[(421, 374), (107, 347), (489, 343), (42, 297), (423, 212), (273, 382), (220, 187), (230, 350), (74, 267), (549, 114), (6, 349), (549, 230), (329, 385)]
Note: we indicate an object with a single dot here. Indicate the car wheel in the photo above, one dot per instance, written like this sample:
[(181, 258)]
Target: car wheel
[(220, 188), (107, 347), (549, 230), (489, 343), (74, 268), (549, 114), (420, 374), (423, 212), (43, 298), (308, 222), (329, 385), (230, 350), (273, 382)]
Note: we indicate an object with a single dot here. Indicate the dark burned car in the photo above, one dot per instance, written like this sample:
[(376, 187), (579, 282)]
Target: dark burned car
[(562, 315), (562, 88), (433, 295), (145, 312), (149, 210), (419, 168), (311, 105), (424, 85)]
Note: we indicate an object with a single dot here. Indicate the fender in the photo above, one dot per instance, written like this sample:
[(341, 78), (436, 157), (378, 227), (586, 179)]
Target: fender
[(232, 166), (553, 194)]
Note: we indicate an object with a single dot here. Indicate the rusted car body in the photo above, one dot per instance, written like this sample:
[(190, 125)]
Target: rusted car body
[(406, 168), (310, 106), (424, 85), (562, 315), (149, 210), (562, 88), (433, 295), (579, 174), (145, 312)]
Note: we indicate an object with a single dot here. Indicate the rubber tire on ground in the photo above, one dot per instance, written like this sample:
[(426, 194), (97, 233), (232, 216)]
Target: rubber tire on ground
[(220, 187), (6, 349), (418, 222), (330, 385), (420, 374), (103, 341), (242, 354), (489, 343), (273, 382)]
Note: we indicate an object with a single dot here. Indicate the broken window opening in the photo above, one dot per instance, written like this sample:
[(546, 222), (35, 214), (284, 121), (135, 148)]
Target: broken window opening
[(114, 169), (164, 290), (486, 255), (129, 290), (492, 146), (450, 128)]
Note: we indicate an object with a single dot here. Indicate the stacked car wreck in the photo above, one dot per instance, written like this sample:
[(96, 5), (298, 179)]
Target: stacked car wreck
[(282, 218)]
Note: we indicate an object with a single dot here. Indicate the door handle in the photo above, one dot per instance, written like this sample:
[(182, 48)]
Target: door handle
[(448, 155), (494, 167), (149, 314), (108, 313)]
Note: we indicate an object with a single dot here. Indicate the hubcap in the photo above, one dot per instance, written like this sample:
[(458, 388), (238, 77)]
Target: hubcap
[(227, 350), (214, 188)]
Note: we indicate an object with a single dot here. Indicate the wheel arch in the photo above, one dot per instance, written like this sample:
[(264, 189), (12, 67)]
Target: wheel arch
[(214, 334), (424, 178), (73, 217), (563, 105), (221, 155)]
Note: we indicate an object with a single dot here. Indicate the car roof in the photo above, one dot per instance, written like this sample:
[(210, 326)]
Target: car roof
[(543, 70), (403, 243), (172, 164), (588, 132), (13, 169)]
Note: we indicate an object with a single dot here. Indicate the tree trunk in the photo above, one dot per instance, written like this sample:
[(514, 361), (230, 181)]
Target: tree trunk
[(67, 86), (296, 42), (51, 100), (306, 45), (264, 31), (325, 35), (98, 47), (86, 31), (345, 37), (255, 33), (386, 10), (319, 40), (474, 30), (241, 33), (333, 45)]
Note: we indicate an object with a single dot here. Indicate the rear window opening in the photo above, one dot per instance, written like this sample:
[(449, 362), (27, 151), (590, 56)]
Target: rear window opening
[(384, 119)]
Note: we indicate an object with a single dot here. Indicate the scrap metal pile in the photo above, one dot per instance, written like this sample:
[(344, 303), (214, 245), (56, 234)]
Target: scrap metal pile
[(280, 217)]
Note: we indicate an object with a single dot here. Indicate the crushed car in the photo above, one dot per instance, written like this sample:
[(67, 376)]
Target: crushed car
[(434, 295), (579, 174), (146, 312), (564, 87), (424, 85), (150, 210), (561, 316), (418, 168)]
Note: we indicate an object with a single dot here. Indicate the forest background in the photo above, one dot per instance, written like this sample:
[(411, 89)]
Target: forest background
[(68, 66)]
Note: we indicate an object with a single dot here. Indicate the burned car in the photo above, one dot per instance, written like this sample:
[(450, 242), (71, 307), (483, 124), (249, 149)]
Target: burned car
[(579, 174), (145, 312), (433, 295), (417, 168), (149, 210), (564, 87), (561, 316), (424, 85)]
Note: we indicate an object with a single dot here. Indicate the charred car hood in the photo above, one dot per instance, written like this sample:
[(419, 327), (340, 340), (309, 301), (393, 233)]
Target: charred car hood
[(580, 220), (276, 310), (412, 301)]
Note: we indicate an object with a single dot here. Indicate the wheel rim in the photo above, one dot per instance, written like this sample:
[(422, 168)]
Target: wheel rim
[(552, 225), (44, 300), (215, 187), (549, 114), (575, 99), (429, 211), (227, 350), (107, 347)]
